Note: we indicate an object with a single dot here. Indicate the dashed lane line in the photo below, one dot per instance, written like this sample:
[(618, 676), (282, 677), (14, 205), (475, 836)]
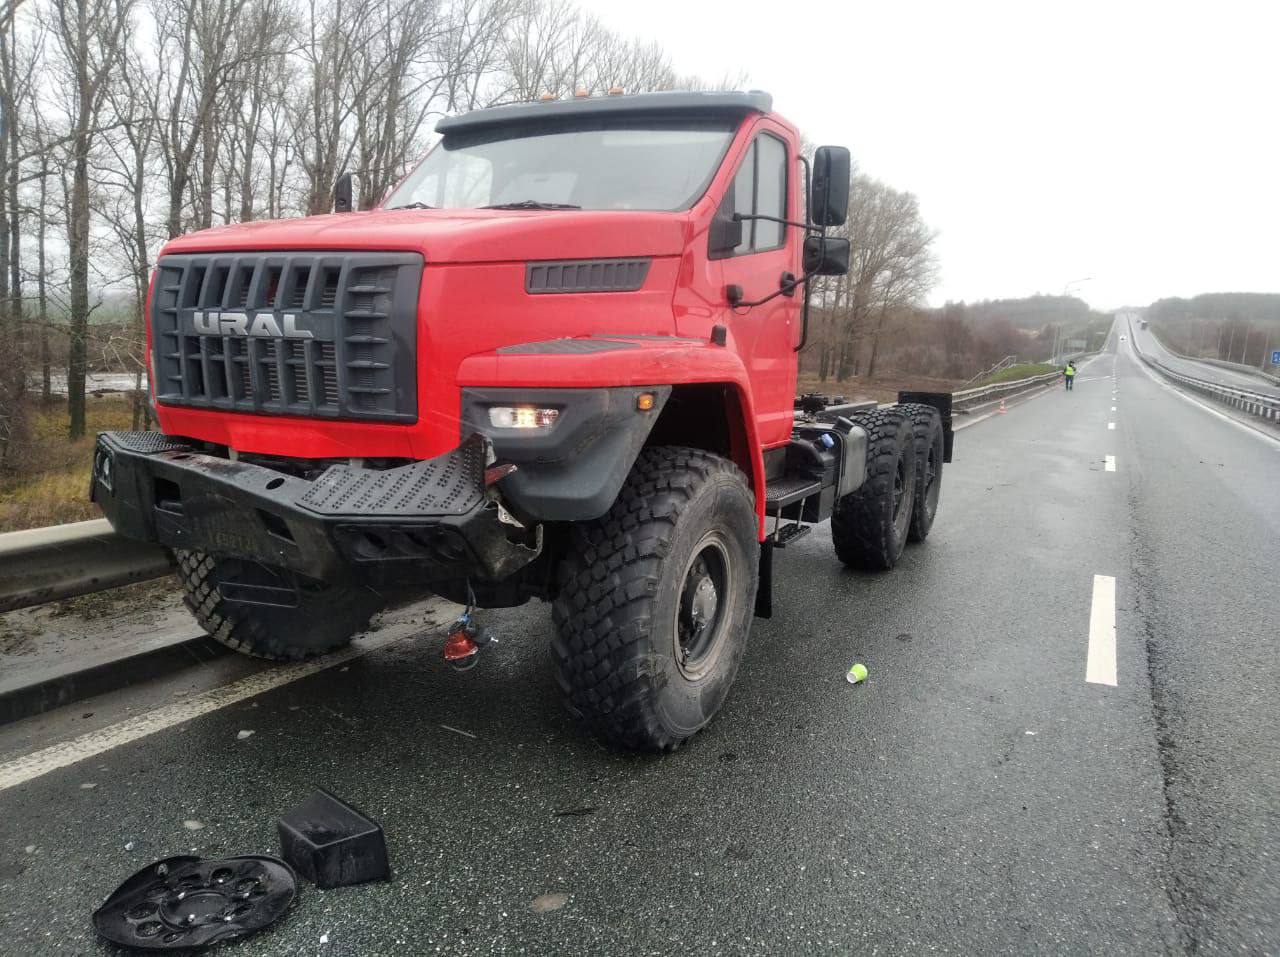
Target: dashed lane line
[(1100, 665), (1110, 463)]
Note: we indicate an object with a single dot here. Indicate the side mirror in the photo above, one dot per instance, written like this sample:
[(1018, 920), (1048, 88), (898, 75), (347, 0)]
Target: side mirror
[(827, 256), (342, 194), (829, 190), (725, 235)]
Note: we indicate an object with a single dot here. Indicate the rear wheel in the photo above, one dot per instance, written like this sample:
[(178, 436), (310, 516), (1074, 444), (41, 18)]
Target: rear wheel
[(270, 612), (870, 525), (927, 426), (656, 600)]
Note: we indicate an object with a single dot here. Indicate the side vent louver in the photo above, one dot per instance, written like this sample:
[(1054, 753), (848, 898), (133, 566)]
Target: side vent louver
[(586, 275)]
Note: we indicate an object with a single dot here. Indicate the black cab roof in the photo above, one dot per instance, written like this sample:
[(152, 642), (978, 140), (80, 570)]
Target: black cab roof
[(704, 104)]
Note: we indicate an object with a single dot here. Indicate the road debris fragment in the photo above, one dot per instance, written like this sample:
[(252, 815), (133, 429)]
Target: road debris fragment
[(223, 899), (465, 734), (332, 844), (244, 734), (193, 825), (546, 903), (856, 674), (577, 811)]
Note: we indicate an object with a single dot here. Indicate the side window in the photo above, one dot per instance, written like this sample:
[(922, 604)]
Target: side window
[(760, 188), (771, 191)]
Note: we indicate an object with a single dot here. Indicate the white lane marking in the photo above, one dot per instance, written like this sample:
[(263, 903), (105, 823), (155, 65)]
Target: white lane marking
[(1111, 426), (37, 763), (1110, 463), (1113, 408), (1100, 666)]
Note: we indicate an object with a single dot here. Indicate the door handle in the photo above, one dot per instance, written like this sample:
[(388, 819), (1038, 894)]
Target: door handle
[(788, 284)]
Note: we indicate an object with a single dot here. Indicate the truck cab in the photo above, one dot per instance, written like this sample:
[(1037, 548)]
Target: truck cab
[(558, 361)]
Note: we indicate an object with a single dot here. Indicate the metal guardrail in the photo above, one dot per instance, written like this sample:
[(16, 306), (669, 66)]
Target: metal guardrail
[(969, 399), (46, 564), (1221, 363), (1234, 366), (1254, 403)]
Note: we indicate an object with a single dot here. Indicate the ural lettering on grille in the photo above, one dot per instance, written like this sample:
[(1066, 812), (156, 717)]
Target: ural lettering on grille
[(316, 334)]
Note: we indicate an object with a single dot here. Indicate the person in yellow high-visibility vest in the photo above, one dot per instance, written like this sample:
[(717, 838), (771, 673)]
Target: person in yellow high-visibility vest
[(1069, 375)]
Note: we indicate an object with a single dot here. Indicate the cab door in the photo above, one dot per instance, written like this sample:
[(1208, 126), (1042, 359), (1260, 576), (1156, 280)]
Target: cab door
[(768, 256)]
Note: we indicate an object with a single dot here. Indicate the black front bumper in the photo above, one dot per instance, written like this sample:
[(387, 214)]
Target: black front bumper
[(428, 521)]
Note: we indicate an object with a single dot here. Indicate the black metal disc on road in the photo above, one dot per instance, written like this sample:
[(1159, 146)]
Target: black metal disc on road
[(184, 902)]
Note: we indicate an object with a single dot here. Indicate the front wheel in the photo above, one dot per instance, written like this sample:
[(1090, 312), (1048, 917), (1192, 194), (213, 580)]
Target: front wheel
[(656, 600), (270, 612)]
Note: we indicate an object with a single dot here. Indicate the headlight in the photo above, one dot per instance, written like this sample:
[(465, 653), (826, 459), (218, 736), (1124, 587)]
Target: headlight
[(522, 417)]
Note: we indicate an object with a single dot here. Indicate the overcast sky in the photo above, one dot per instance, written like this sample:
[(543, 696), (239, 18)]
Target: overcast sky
[(1136, 143)]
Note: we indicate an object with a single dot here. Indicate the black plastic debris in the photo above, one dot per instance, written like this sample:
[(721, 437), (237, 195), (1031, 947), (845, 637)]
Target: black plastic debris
[(332, 844), (185, 902)]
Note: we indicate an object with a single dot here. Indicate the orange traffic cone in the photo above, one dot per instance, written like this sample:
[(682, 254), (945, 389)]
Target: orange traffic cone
[(1003, 410)]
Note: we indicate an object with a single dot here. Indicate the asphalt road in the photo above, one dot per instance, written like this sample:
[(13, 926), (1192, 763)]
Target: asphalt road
[(976, 795), (1223, 375)]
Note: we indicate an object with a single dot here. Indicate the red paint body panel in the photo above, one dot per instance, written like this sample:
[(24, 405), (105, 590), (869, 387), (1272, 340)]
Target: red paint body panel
[(473, 302)]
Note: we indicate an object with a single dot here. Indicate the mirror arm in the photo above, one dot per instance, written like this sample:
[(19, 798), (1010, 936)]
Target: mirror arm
[(786, 287), (808, 214), (744, 217)]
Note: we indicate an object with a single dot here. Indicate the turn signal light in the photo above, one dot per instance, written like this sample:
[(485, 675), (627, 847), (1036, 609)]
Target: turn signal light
[(522, 417), (645, 401)]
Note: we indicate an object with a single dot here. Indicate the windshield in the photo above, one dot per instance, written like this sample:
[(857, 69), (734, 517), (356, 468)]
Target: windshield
[(648, 165)]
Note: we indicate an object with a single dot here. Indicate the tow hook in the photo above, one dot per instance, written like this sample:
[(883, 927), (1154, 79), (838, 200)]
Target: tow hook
[(466, 638)]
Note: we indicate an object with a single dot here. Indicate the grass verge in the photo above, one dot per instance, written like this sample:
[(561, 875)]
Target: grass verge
[(48, 478), (1023, 370)]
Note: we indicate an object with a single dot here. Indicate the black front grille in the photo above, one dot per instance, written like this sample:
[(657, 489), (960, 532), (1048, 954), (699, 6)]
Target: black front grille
[(315, 334)]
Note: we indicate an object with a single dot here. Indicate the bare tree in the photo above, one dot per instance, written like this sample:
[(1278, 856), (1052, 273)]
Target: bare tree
[(891, 266), (123, 191), (88, 35), (208, 44)]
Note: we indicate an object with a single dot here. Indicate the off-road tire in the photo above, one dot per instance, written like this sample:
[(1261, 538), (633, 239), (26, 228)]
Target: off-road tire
[(623, 592), (326, 617), (868, 526), (930, 448)]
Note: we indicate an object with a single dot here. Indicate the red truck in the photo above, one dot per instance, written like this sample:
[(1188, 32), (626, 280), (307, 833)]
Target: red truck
[(557, 362)]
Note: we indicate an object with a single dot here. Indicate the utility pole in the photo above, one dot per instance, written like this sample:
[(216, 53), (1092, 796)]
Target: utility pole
[(1066, 292)]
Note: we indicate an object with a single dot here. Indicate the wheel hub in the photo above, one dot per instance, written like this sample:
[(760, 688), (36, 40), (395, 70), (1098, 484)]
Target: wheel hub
[(699, 619)]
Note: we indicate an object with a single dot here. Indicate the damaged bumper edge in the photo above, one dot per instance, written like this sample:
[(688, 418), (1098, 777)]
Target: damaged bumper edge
[(427, 521)]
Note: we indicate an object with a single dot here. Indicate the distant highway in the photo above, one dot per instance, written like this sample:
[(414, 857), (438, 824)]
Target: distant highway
[(1237, 378)]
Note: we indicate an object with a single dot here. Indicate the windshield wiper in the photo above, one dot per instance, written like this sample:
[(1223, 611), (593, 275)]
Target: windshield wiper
[(414, 205), (532, 204)]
